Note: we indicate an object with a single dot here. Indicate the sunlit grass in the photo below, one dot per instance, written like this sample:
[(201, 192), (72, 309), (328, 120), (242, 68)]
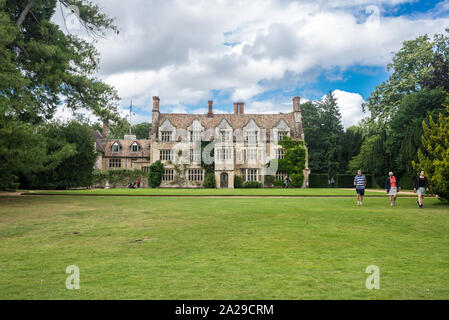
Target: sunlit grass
[(222, 248), (218, 192)]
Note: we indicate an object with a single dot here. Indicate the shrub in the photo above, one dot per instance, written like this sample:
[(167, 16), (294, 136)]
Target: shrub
[(278, 183), (268, 181), (209, 181), (100, 177), (155, 175), (297, 179), (252, 184), (434, 154), (122, 176), (238, 182), (318, 180)]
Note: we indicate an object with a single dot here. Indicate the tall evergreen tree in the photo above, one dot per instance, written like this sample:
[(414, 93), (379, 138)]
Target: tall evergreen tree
[(41, 68), (311, 121), (333, 131)]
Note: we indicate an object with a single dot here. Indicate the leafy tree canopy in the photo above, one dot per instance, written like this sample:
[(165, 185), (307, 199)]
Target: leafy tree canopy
[(420, 63)]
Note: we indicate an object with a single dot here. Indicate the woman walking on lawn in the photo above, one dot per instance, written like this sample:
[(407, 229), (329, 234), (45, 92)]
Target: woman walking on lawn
[(392, 187), (420, 186), (360, 183)]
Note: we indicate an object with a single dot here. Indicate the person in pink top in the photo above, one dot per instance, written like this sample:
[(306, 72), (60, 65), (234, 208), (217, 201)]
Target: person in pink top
[(392, 188)]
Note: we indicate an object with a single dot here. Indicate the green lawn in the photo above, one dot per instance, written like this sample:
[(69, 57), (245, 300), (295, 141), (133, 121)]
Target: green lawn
[(218, 192), (222, 248)]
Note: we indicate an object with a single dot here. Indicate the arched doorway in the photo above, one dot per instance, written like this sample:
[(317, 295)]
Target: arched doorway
[(223, 180)]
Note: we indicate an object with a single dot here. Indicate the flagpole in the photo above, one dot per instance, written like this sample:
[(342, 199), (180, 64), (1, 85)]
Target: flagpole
[(130, 114)]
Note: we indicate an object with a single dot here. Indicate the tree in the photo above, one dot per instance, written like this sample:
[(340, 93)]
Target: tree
[(420, 63), (314, 136), (58, 67), (434, 154), (351, 143), (209, 180), (405, 127), (333, 131), (372, 158), (41, 67), (155, 175), (119, 129), (142, 130), (71, 149), (294, 161)]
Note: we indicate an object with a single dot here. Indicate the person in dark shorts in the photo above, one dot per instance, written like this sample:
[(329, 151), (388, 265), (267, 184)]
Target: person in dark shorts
[(420, 186), (138, 183), (360, 183)]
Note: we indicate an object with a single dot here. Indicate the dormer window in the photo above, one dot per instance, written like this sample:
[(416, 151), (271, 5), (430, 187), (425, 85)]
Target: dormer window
[(166, 136), (115, 147), (135, 147)]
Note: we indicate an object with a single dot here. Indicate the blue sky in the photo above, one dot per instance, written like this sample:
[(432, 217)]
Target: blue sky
[(259, 52)]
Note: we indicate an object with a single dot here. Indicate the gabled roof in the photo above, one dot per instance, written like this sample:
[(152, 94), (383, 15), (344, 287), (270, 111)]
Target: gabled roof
[(106, 145), (236, 121)]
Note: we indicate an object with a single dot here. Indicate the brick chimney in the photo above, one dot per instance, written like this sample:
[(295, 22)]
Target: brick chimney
[(210, 114), (105, 129), (236, 108), (296, 104), (241, 108), (155, 116), (156, 103)]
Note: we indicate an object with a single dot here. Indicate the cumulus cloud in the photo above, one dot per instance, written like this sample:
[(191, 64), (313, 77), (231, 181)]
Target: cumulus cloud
[(350, 105), (182, 50)]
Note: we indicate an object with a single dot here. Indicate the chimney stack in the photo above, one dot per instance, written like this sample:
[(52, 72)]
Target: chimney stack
[(210, 114), (236, 108), (241, 108), (105, 130), (296, 104), (156, 103)]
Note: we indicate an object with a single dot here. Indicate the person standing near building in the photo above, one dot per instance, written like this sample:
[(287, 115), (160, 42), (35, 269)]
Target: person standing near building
[(392, 187), (332, 182), (360, 184), (420, 186), (138, 183)]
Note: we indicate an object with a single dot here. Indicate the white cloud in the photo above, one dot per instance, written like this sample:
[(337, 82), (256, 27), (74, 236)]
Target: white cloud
[(350, 105), (181, 50)]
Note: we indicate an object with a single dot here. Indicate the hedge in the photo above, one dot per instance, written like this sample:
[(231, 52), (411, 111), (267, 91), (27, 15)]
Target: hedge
[(238, 182), (278, 183), (116, 177), (297, 179), (347, 181), (209, 181), (318, 180), (252, 184), (344, 181)]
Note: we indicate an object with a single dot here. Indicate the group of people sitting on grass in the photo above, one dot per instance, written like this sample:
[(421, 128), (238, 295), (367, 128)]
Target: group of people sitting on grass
[(420, 186)]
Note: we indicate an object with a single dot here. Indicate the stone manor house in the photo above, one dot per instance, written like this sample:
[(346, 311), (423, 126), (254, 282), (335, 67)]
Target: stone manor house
[(243, 144)]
